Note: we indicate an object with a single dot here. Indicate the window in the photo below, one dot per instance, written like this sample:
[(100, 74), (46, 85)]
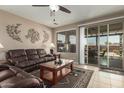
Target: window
[(66, 41), (91, 41)]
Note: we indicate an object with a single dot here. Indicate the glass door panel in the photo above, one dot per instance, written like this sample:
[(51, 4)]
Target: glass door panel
[(92, 41), (115, 46), (115, 51), (103, 41)]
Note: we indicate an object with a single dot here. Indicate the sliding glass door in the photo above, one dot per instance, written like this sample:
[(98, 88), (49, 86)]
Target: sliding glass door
[(104, 45)]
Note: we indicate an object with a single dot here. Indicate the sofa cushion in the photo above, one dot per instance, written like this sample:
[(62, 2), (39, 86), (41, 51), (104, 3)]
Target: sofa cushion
[(31, 57), (31, 51), (25, 64), (16, 56), (19, 59), (41, 53), (32, 54), (17, 53), (42, 60), (37, 61)]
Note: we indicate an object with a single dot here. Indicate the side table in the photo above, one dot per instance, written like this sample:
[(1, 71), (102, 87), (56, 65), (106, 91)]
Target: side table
[(3, 61)]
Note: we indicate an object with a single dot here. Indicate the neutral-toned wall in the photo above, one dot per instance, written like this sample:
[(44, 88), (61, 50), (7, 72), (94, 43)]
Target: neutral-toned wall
[(8, 43)]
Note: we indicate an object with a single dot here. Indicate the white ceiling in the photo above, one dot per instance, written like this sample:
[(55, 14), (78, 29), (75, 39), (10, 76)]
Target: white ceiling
[(79, 13)]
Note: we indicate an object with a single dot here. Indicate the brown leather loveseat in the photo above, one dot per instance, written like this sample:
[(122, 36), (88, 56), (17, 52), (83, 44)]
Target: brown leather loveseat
[(28, 59), (13, 77)]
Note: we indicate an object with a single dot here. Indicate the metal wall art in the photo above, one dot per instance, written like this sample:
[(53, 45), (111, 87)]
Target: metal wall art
[(13, 32), (46, 37), (33, 35)]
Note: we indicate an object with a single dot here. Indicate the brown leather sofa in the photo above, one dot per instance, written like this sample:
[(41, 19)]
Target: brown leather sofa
[(28, 59), (13, 77)]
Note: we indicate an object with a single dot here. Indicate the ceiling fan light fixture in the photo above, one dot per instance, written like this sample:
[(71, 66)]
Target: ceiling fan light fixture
[(54, 7)]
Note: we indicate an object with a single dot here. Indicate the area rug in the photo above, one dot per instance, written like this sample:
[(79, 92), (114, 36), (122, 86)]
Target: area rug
[(79, 78)]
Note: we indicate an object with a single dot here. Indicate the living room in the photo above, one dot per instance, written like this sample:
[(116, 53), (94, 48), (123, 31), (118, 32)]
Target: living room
[(61, 46)]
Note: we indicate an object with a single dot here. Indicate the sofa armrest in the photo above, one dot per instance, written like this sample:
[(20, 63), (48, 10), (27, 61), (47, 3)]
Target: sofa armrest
[(49, 55), (18, 70), (12, 62), (3, 67), (24, 83)]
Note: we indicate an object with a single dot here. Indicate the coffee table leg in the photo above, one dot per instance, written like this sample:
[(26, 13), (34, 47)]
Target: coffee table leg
[(41, 73), (54, 77), (72, 67)]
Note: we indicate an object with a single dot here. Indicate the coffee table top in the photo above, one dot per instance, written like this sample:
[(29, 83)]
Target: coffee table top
[(51, 64)]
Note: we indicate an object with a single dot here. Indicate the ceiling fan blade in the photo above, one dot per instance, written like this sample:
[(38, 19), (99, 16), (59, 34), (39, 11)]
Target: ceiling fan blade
[(40, 5), (64, 9)]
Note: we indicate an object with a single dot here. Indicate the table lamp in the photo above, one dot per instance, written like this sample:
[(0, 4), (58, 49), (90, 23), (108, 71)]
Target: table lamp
[(2, 54), (1, 46), (52, 46)]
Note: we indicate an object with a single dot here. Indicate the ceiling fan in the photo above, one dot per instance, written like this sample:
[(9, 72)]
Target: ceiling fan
[(53, 9)]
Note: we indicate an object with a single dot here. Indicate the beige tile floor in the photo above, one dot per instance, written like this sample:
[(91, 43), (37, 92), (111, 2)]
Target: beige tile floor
[(102, 79)]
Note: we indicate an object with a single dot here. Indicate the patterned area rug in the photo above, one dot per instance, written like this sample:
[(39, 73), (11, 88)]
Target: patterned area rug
[(79, 78)]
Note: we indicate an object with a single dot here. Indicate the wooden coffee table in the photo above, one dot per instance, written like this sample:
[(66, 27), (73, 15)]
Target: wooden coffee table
[(53, 73)]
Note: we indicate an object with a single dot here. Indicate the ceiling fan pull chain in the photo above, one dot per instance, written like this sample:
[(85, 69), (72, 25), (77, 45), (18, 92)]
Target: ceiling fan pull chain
[(54, 13), (51, 14)]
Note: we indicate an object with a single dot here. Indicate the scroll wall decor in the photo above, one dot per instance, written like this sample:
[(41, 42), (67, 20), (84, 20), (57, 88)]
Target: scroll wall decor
[(13, 32), (33, 35), (46, 37)]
